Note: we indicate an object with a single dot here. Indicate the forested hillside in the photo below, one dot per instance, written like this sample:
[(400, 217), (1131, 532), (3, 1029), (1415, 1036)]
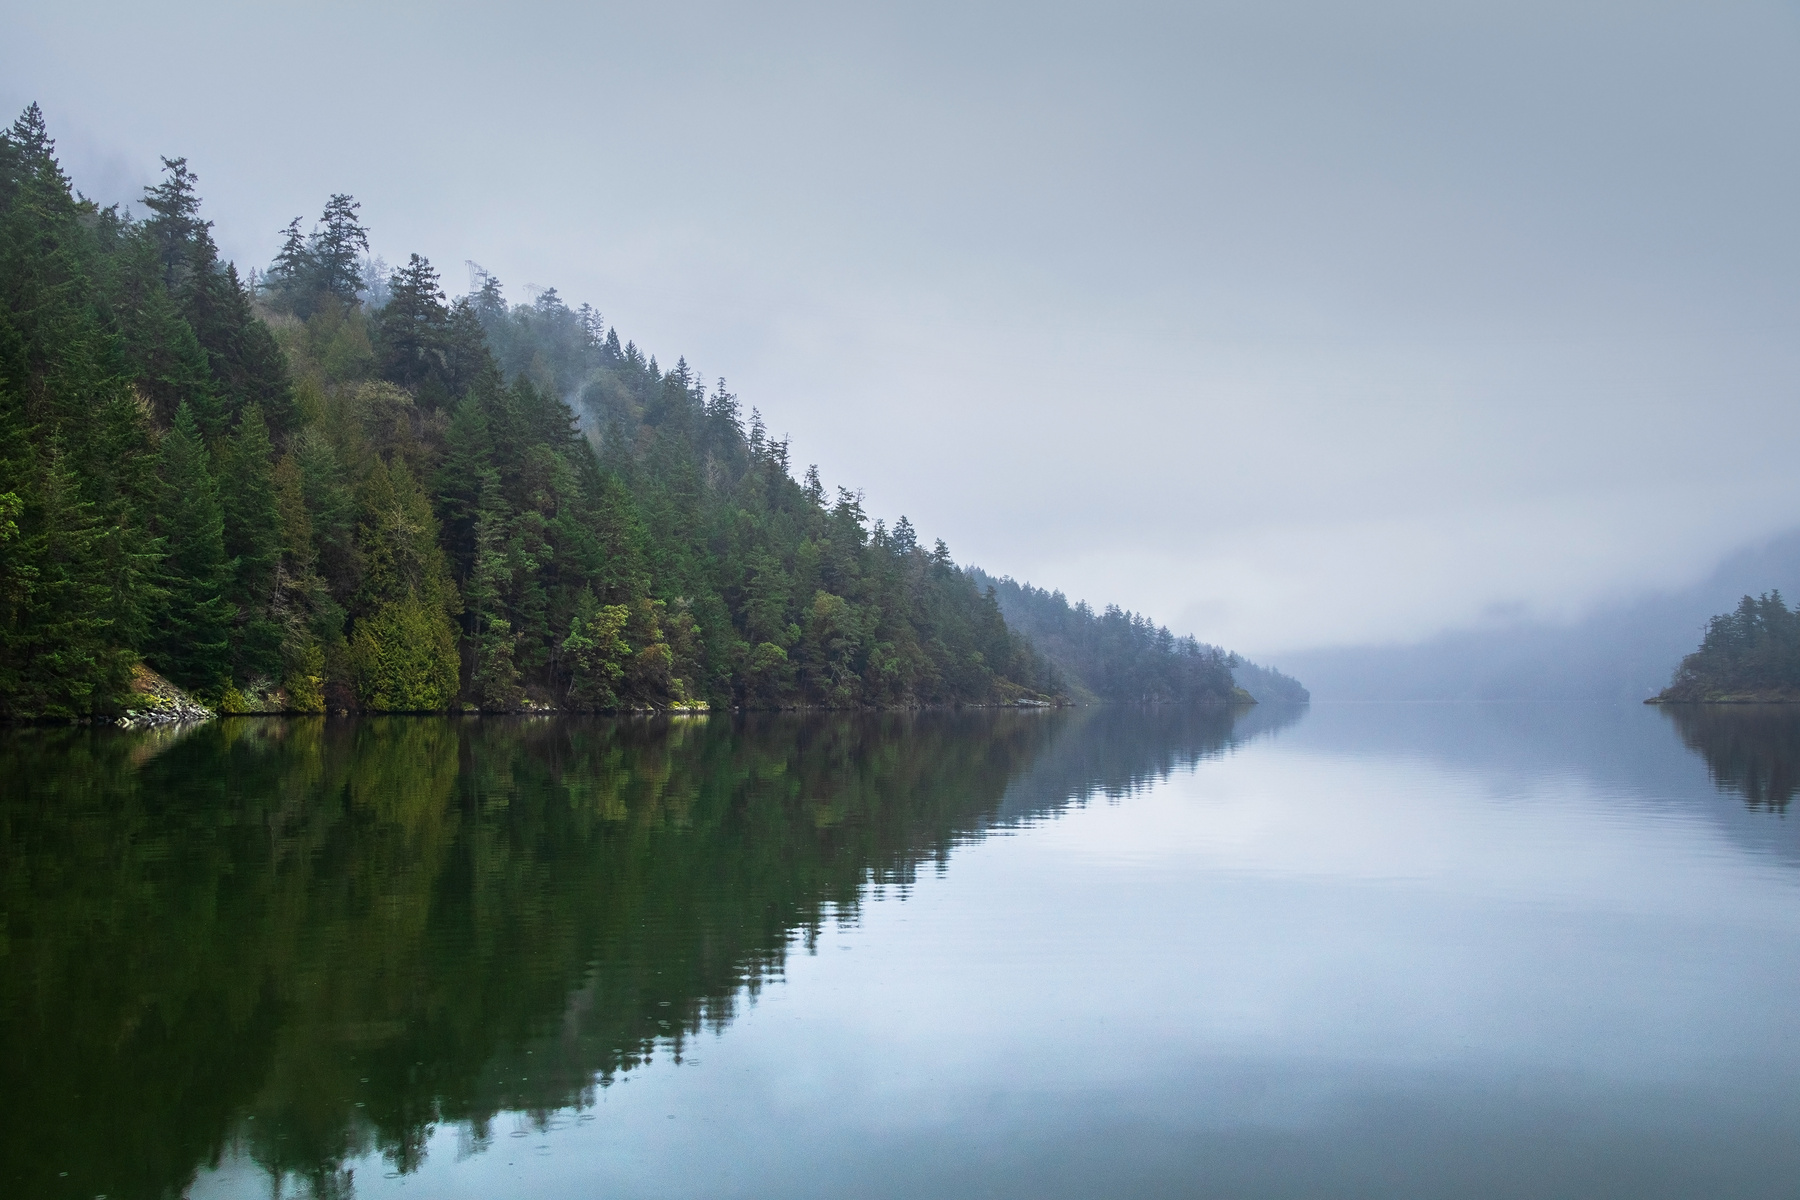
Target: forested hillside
[(1268, 685), (1751, 653), (319, 488), (1115, 655)]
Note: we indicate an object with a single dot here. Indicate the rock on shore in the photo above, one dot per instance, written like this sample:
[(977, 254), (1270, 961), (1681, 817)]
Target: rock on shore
[(156, 701)]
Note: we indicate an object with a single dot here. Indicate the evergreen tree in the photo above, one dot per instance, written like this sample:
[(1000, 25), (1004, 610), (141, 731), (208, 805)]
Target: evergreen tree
[(300, 605), (57, 656), (413, 333), (289, 278), (494, 677), (404, 647), (337, 248), (193, 641), (252, 527), (181, 239), (599, 655)]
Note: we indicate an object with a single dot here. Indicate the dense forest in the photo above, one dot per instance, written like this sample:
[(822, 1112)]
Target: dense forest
[(1121, 657), (327, 486), (1751, 653), (284, 496)]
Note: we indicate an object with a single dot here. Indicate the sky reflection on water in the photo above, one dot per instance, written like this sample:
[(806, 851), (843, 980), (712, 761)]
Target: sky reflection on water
[(1398, 950)]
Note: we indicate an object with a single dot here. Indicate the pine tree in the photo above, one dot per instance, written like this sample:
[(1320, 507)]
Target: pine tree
[(193, 641)]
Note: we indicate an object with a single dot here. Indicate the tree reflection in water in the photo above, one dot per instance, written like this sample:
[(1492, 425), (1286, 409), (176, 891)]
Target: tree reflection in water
[(1750, 749), (304, 940)]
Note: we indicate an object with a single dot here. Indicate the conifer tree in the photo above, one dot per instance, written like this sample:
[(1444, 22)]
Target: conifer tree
[(252, 527), (413, 333), (404, 646), (193, 641), (183, 245), (57, 658), (300, 603), (494, 678), (290, 276), (336, 249)]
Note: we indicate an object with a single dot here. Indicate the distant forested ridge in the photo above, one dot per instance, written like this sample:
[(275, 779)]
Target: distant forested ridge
[(325, 488), (1268, 685), (1749, 654), (1122, 657)]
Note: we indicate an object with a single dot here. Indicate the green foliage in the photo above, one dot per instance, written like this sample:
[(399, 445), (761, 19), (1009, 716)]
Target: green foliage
[(252, 524), (404, 656), (379, 497), (321, 272), (599, 655), (192, 643), (57, 658), (1114, 655), (413, 333)]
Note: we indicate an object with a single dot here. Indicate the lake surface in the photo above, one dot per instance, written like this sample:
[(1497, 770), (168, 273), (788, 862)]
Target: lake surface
[(1409, 950)]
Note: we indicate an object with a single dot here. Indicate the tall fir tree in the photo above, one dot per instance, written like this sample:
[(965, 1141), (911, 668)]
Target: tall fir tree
[(252, 530), (412, 333), (193, 641)]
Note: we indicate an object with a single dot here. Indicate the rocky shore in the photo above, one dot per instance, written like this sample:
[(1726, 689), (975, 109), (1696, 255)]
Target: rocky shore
[(155, 701)]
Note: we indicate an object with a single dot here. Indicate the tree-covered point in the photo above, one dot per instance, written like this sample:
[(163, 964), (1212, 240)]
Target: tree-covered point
[(1749, 654), (1114, 655), (281, 495), (1268, 685)]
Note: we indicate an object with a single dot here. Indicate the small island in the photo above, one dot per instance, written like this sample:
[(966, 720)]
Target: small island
[(1749, 656)]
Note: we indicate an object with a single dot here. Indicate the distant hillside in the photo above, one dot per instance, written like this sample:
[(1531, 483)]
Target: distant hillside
[(1268, 685), (1622, 653), (1114, 655)]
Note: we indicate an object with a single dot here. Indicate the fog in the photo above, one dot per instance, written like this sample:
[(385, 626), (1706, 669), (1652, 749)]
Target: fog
[(1294, 325), (1622, 652)]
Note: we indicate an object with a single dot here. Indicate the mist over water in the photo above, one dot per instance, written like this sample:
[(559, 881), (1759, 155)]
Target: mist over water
[(1621, 652)]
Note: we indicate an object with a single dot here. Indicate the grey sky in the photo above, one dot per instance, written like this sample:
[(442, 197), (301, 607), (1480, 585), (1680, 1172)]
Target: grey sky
[(1292, 324)]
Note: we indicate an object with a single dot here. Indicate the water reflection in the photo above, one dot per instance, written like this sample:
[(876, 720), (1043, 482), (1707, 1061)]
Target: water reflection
[(1750, 749), (303, 941)]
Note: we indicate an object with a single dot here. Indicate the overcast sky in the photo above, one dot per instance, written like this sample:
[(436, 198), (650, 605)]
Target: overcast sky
[(1292, 324)]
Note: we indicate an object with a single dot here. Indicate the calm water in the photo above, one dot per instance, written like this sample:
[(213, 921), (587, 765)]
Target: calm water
[(1452, 951)]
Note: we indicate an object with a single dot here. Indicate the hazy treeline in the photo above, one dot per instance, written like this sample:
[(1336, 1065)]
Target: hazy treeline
[(1113, 655), (280, 495), (1750, 653), (1268, 685)]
